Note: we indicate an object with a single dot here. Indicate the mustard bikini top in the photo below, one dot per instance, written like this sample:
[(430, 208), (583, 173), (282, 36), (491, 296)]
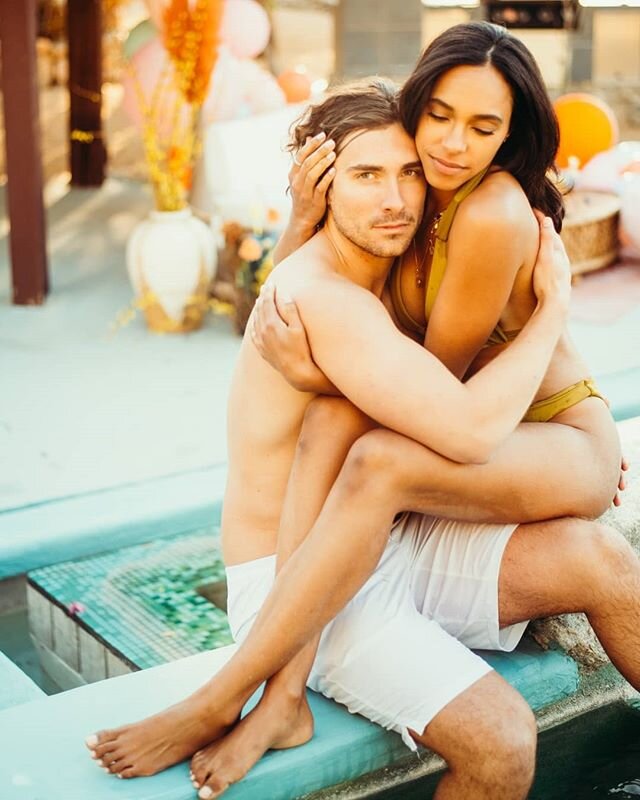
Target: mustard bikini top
[(436, 273)]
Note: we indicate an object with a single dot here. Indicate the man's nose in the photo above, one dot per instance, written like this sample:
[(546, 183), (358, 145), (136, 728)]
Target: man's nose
[(393, 200), (456, 140)]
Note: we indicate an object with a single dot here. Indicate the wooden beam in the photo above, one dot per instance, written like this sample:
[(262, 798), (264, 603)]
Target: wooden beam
[(87, 151), (23, 158)]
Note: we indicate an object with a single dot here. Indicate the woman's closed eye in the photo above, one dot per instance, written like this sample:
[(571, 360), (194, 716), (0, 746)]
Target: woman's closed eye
[(484, 132)]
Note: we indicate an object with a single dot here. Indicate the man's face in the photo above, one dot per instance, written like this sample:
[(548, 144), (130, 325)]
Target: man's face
[(377, 196)]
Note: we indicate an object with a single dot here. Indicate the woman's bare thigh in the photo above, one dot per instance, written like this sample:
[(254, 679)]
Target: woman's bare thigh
[(542, 471)]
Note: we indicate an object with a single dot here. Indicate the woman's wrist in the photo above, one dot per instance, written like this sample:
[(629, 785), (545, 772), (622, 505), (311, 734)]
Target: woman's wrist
[(301, 230)]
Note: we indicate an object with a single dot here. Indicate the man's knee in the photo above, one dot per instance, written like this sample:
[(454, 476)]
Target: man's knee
[(607, 557), (595, 553)]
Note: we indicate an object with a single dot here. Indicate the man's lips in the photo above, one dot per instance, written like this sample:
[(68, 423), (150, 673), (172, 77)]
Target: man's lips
[(392, 226)]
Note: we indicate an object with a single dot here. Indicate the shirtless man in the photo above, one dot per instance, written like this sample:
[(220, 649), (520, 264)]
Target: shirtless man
[(336, 280)]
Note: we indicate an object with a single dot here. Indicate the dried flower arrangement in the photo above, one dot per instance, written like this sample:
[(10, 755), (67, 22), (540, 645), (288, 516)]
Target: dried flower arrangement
[(190, 34)]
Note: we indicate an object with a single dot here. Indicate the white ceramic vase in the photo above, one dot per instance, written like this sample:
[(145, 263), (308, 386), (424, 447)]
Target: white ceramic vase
[(171, 259)]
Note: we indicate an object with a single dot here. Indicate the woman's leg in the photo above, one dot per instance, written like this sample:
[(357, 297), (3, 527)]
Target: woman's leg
[(146, 747), (282, 718), (383, 473)]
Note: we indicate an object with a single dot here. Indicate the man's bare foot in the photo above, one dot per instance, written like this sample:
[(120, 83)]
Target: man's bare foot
[(158, 742), (276, 723)]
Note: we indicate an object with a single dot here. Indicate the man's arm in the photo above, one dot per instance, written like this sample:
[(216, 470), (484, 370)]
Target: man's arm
[(405, 388)]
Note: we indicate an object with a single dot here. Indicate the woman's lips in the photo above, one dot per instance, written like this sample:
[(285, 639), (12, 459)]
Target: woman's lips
[(446, 167)]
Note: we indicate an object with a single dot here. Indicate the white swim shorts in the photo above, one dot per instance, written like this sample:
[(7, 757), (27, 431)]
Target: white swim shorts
[(399, 652)]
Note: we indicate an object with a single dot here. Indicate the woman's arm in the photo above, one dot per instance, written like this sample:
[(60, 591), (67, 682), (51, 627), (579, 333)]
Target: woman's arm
[(309, 179), (490, 241), (393, 380), (281, 339)]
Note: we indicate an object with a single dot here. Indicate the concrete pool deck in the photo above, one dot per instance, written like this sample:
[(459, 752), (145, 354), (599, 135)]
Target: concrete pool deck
[(84, 410), (81, 409)]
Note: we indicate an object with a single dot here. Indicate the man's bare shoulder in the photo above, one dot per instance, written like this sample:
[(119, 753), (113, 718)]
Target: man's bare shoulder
[(309, 278)]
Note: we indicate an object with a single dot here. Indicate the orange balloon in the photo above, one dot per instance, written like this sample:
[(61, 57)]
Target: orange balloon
[(587, 127), (295, 85)]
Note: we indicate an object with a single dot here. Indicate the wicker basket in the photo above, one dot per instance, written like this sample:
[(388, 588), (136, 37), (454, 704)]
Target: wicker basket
[(590, 230)]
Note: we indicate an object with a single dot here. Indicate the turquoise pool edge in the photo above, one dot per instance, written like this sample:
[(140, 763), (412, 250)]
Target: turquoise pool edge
[(88, 524)]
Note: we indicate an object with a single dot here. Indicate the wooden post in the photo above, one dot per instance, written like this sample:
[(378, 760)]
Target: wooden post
[(23, 159), (87, 151)]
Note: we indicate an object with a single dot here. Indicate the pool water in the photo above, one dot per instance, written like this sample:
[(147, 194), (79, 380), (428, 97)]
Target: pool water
[(15, 643), (595, 756)]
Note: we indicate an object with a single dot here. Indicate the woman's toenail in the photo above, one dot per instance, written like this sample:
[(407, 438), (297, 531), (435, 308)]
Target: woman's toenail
[(92, 740), (100, 762), (205, 793)]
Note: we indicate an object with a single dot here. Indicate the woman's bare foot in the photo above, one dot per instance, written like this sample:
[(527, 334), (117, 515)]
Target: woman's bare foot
[(158, 742), (276, 723)]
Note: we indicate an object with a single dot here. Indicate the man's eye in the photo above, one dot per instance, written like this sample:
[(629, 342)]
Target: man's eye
[(414, 172), (366, 175)]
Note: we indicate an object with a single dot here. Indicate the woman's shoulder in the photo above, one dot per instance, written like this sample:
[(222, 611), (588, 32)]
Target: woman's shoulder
[(499, 201)]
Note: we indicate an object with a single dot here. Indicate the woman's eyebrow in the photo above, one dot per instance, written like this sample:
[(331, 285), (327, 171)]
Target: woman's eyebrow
[(487, 117)]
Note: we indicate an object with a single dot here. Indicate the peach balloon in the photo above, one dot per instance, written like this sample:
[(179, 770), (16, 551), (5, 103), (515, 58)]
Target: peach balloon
[(295, 85), (587, 127), (245, 28), (239, 88)]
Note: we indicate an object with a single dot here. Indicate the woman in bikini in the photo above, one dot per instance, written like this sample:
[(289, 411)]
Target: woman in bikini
[(487, 136)]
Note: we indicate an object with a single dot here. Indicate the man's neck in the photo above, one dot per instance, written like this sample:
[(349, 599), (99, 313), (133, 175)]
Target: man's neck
[(354, 263)]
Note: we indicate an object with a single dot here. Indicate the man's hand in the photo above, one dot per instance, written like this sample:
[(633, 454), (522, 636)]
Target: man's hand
[(552, 271), (279, 336), (624, 466), (309, 180)]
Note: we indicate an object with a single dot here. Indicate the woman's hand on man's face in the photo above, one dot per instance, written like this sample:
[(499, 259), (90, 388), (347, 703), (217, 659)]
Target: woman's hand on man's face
[(309, 179)]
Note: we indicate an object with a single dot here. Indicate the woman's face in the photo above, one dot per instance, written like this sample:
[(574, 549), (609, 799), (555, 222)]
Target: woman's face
[(463, 125)]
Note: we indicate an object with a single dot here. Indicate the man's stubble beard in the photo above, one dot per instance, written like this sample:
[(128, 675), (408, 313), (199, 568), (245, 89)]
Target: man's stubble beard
[(364, 236)]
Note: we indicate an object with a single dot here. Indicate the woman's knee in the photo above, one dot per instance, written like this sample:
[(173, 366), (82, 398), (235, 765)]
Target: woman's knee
[(373, 462), (331, 419)]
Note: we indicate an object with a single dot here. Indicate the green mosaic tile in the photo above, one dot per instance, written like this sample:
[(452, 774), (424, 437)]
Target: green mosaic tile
[(143, 601)]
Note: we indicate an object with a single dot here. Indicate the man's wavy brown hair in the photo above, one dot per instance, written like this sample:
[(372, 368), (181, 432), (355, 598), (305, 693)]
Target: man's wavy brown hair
[(365, 105)]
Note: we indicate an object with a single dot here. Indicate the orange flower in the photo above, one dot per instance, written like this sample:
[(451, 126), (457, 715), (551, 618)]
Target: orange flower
[(273, 215), (250, 249), (191, 37)]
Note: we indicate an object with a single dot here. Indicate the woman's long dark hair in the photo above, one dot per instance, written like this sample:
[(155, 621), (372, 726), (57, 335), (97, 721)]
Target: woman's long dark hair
[(529, 151)]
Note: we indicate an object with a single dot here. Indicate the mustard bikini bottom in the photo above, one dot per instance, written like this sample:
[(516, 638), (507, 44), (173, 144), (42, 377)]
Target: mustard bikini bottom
[(547, 409)]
